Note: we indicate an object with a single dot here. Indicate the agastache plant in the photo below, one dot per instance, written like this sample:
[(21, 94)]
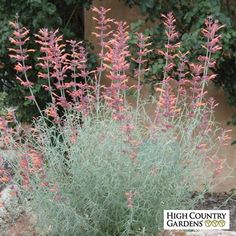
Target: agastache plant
[(19, 39), (44, 39), (190, 102), (103, 35), (100, 162), (169, 54), (212, 46), (117, 65), (142, 45), (81, 92), (171, 46), (57, 66)]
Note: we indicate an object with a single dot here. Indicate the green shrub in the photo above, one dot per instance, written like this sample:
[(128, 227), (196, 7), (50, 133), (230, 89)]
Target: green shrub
[(35, 14), (2, 103), (95, 173)]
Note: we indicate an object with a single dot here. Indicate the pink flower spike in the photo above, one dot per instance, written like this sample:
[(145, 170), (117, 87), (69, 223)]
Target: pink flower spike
[(26, 84)]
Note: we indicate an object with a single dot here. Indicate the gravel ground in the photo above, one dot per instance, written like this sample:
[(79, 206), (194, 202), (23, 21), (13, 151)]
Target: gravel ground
[(220, 201), (14, 221)]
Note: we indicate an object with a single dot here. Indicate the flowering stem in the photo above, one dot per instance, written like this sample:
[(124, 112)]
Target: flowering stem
[(139, 83), (167, 53), (26, 77), (74, 73), (98, 82), (208, 55)]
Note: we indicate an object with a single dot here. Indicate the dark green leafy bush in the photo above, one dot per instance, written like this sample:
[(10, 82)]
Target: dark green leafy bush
[(35, 14)]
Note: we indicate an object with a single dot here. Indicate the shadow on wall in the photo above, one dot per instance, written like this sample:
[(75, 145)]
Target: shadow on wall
[(223, 112)]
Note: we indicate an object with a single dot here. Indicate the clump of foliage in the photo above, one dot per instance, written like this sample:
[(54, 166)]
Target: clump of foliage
[(2, 103), (94, 162)]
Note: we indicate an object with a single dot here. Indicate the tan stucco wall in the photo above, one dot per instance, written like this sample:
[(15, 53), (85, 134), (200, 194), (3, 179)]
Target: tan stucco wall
[(118, 11), (223, 112)]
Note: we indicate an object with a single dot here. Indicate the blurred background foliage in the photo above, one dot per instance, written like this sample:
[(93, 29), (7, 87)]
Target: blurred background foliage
[(68, 16)]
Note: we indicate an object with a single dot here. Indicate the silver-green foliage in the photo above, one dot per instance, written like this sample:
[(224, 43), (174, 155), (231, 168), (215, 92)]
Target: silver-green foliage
[(93, 174)]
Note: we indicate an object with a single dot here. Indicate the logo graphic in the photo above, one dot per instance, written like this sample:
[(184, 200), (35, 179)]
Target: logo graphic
[(199, 219), (214, 223)]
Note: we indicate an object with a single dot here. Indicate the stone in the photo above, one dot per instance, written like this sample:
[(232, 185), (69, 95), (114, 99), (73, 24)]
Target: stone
[(10, 209)]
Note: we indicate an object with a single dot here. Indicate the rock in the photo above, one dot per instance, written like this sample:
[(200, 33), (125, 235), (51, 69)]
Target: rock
[(10, 209), (9, 156), (24, 226)]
